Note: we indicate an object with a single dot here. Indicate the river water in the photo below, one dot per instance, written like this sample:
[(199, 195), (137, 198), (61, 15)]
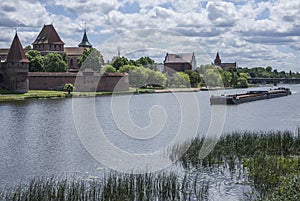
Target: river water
[(40, 137)]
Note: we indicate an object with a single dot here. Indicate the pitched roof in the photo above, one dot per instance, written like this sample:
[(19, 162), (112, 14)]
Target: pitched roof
[(16, 52), (74, 51), (48, 35), (179, 58), (85, 41), (218, 59)]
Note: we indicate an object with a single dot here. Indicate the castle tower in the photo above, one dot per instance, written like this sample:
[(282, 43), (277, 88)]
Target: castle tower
[(48, 40), (218, 60), (16, 68), (85, 41)]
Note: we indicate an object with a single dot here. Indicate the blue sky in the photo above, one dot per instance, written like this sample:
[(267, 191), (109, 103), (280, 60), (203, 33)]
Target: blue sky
[(250, 32)]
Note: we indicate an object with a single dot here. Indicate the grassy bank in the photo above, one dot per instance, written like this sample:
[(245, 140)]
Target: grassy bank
[(40, 94)]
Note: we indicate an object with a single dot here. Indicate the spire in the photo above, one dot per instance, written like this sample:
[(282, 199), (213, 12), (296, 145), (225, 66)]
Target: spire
[(16, 52), (85, 41), (218, 60)]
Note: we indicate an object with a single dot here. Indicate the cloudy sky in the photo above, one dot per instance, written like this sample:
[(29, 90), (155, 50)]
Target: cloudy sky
[(250, 32)]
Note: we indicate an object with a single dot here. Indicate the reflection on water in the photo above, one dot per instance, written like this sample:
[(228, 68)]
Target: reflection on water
[(38, 137)]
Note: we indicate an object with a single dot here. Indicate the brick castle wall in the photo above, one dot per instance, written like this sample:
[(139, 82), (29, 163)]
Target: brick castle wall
[(84, 81)]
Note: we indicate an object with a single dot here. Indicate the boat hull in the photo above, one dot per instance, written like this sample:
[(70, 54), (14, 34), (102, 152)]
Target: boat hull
[(249, 97)]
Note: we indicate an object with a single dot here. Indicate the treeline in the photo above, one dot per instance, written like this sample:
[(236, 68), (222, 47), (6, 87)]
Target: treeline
[(144, 71)]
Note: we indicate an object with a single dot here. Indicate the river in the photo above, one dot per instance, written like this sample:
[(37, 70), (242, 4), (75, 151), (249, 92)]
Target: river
[(40, 137)]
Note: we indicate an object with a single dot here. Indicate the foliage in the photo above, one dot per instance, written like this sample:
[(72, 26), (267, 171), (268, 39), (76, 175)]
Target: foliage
[(212, 78), (126, 68), (138, 77), (54, 62), (179, 79), (69, 87), (118, 62), (91, 58), (141, 76), (36, 61), (195, 78), (146, 62), (113, 186), (155, 77), (109, 69)]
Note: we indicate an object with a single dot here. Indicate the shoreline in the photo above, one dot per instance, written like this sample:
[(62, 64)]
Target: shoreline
[(52, 94)]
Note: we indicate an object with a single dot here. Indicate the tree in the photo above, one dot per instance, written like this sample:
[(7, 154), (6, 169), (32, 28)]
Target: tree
[(226, 78), (91, 58), (69, 87), (36, 61), (155, 77), (194, 77), (118, 62), (54, 62), (138, 77), (146, 62), (28, 47), (212, 78), (179, 79), (126, 68), (109, 69)]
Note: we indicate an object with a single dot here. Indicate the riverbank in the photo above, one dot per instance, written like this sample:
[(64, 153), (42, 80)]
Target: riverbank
[(42, 94)]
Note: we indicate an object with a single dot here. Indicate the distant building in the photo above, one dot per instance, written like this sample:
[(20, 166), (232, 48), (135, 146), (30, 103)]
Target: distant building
[(225, 66), (14, 70), (48, 41), (179, 62)]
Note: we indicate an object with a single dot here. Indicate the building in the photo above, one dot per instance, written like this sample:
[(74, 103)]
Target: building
[(14, 67), (179, 62), (48, 40), (224, 66), (14, 70)]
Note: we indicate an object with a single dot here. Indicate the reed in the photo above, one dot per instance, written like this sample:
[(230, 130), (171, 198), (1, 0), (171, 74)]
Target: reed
[(114, 186)]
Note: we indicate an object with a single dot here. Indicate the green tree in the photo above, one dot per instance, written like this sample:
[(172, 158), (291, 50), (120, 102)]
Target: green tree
[(36, 61), (155, 77), (138, 77), (226, 78), (69, 88), (54, 63), (126, 68), (109, 69), (194, 77), (91, 58), (179, 79), (146, 62), (212, 78), (118, 62)]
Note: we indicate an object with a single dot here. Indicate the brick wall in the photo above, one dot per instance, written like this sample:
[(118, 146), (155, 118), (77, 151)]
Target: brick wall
[(84, 82)]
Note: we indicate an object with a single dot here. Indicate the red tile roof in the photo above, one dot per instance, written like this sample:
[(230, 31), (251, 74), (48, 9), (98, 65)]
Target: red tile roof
[(16, 52), (48, 35)]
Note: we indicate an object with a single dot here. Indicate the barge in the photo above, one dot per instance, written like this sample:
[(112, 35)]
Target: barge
[(249, 96)]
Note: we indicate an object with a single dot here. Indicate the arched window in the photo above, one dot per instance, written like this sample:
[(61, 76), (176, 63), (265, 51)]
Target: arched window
[(71, 62)]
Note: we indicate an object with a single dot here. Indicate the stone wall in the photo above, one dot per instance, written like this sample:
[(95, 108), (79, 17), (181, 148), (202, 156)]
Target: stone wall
[(87, 81)]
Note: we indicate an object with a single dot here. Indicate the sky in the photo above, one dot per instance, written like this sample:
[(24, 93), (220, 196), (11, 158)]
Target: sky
[(249, 32)]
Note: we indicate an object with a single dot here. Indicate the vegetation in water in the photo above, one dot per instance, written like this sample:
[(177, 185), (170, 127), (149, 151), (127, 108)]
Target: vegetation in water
[(270, 159), (114, 186)]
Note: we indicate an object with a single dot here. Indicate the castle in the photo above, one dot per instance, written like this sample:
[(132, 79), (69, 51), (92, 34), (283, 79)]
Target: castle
[(224, 66), (14, 66)]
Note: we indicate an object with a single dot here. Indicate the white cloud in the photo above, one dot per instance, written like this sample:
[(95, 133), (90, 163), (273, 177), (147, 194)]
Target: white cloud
[(252, 32)]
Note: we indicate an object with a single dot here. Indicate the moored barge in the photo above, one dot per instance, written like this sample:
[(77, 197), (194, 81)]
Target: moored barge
[(249, 96)]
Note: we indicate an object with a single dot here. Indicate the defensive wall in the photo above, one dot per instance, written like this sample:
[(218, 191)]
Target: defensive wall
[(85, 81)]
